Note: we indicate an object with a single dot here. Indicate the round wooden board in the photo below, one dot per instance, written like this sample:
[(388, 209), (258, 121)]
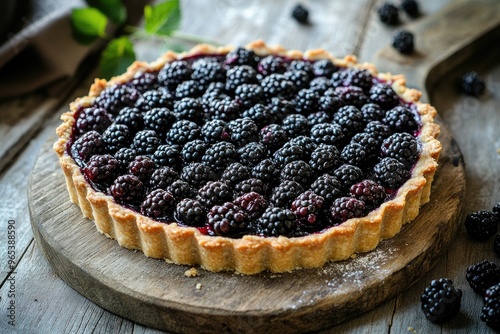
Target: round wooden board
[(158, 294)]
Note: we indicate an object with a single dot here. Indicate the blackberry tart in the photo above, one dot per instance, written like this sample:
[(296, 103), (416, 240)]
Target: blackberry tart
[(250, 159)]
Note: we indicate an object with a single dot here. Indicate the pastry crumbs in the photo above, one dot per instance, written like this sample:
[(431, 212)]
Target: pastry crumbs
[(193, 272)]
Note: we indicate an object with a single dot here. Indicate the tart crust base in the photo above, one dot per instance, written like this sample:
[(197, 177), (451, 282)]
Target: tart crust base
[(253, 254)]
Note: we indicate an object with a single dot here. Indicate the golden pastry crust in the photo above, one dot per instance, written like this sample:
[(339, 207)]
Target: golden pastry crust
[(253, 254)]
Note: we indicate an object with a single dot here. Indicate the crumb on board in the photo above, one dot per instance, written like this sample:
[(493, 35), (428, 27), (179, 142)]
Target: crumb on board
[(193, 272), (412, 330), (198, 286)]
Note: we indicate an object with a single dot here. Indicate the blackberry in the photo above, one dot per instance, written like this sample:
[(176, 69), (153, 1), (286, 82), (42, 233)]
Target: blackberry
[(271, 64), (410, 7), (235, 173), (473, 84), (88, 144), (300, 13), (280, 108), (116, 97), (146, 142), (324, 68), (93, 119), (403, 42), (318, 117), (330, 101), (272, 136), (160, 120), (309, 208), (481, 225), (345, 208), (402, 147), (493, 292), (207, 71), (224, 109), (306, 143), (350, 119), (174, 73), (441, 300), (295, 125), (287, 154), (215, 130), (267, 171), (144, 81), (353, 77), (214, 193), (324, 159), (352, 95), (240, 75), (327, 133), (142, 167), (182, 132), (251, 185), (284, 194), (372, 112), (162, 178), (277, 85), (131, 117), (370, 144), (302, 65), (249, 95), (193, 151), (102, 169), (348, 175), (252, 203), (158, 204), (388, 14), (160, 98), (219, 155), (167, 155), (260, 114), (496, 208), (496, 245), (197, 174), (299, 78), (251, 154), (241, 56), (328, 187), (320, 84), (181, 189), (354, 154), (391, 173), (228, 220), (298, 171), (483, 275), (378, 130), (214, 91), (277, 221), (401, 119), (243, 131), (124, 156), (490, 313), (189, 88), (190, 212), (127, 189), (306, 101), (383, 95), (370, 192), (116, 137), (190, 109)]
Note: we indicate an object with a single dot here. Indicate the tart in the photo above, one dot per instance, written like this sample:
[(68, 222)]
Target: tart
[(249, 158)]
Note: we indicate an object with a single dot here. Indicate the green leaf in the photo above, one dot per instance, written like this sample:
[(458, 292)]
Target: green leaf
[(118, 55), (163, 18), (114, 9), (89, 22)]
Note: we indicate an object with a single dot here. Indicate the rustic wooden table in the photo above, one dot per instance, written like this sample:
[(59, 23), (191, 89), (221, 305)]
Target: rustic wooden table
[(45, 304)]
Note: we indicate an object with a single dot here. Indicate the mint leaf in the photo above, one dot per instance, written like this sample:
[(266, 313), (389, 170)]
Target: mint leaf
[(163, 18), (118, 55), (88, 22), (114, 9)]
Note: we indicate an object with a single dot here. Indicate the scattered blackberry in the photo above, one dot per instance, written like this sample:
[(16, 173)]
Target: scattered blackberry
[(272, 136), (251, 154), (287, 154), (370, 192), (403, 42), (402, 147), (320, 84), (330, 102), (372, 112), (181, 189), (96, 119), (299, 78), (160, 98), (220, 155), (243, 131), (410, 7), (252, 203), (131, 117), (324, 68), (167, 155), (197, 174), (142, 167), (353, 77), (388, 14), (348, 175), (496, 245), (88, 144), (378, 130), (162, 178), (116, 137), (327, 133), (235, 173), (102, 169), (190, 212), (206, 72), (295, 125), (160, 120), (306, 143), (483, 275), (267, 171), (481, 225), (309, 208), (240, 75), (345, 208), (490, 313), (352, 95), (473, 84), (193, 151), (190, 109), (280, 108), (401, 119), (300, 13), (224, 109), (306, 101), (214, 193), (383, 95), (496, 208), (391, 173), (260, 114), (493, 292), (284, 194), (350, 119), (249, 95), (324, 159), (215, 130), (276, 221), (124, 156), (271, 64), (298, 171), (318, 117), (127, 189), (174, 73), (241, 56), (441, 300), (189, 88), (277, 85), (144, 81), (146, 142), (228, 220), (182, 132), (116, 97), (158, 204), (354, 154), (327, 187)]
